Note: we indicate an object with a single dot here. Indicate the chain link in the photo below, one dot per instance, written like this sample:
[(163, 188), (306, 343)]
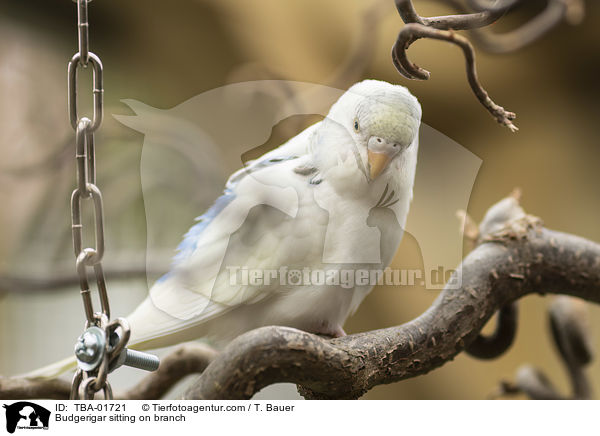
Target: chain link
[(83, 27), (98, 90), (87, 383), (77, 225)]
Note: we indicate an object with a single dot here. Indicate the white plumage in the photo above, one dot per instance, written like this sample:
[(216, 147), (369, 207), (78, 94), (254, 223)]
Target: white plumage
[(335, 197)]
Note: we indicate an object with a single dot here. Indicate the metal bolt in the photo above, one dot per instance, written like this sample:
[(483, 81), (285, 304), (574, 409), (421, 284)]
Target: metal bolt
[(137, 359), (133, 358), (89, 348)]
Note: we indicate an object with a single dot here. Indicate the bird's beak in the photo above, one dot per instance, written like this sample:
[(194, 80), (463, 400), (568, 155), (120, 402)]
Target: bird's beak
[(377, 163)]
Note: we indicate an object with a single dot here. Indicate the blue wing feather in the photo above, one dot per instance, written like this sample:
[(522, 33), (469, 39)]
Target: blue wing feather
[(190, 240), (290, 150)]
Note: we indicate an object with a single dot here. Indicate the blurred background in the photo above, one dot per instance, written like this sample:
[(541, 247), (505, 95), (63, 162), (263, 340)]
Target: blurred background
[(164, 53)]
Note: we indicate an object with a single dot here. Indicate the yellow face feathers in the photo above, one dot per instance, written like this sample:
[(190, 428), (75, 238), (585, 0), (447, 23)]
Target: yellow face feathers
[(396, 124)]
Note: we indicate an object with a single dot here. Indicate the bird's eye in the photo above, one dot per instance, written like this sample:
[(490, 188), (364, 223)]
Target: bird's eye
[(356, 126), (395, 145)]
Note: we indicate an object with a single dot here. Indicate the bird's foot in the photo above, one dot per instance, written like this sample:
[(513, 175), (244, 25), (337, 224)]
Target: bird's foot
[(330, 331)]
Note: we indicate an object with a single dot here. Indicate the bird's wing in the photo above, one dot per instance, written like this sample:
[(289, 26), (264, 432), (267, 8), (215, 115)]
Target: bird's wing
[(252, 226), (297, 146)]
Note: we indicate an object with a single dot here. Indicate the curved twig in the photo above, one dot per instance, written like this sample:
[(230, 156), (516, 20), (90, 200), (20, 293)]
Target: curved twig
[(491, 5), (530, 381), (490, 347), (570, 332), (412, 32), (555, 12), (446, 22), (486, 13)]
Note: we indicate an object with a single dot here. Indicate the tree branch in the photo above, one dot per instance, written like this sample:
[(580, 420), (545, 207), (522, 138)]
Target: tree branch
[(556, 11), (412, 32), (13, 388), (446, 22), (443, 28), (62, 278), (187, 359), (570, 329), (491, 5), (516, 256), (490, 347), (519, 258)]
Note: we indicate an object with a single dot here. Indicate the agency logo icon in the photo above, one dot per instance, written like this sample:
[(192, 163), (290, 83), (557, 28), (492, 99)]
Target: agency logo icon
[(26, 415)]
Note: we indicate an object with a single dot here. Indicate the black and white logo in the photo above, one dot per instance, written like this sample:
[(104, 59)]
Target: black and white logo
[(26, 415)]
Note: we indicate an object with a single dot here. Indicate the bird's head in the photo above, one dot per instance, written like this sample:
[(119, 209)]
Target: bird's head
[(383, 121)]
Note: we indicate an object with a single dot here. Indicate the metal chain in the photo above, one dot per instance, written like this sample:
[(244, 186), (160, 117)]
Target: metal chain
[(92, 378), (101, 347)]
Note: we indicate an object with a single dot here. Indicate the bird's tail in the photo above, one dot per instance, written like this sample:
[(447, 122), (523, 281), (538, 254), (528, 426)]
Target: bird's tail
[(53, 370), (163, 331), (56, 369)]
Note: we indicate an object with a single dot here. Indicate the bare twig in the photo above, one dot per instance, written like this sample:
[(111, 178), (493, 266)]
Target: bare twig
[(362, 52), (556, 11), (447, 22), (412, 32), (490, 347), (570, 332), (444, 27), (491, 5), (62, 278), (531, 381)]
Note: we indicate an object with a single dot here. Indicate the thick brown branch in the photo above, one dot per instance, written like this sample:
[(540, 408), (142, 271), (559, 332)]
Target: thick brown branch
[(186, 360), (516, 263), (12, 388), (516, 256)]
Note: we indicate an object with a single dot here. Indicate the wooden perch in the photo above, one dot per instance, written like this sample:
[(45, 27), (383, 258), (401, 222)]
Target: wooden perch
[(519, 258), (515, 256)]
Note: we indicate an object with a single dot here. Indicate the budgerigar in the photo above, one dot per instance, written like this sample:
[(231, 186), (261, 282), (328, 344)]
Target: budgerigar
[(334, 198)]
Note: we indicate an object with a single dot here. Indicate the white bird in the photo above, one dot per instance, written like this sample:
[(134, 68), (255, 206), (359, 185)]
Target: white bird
[(329, 203)]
